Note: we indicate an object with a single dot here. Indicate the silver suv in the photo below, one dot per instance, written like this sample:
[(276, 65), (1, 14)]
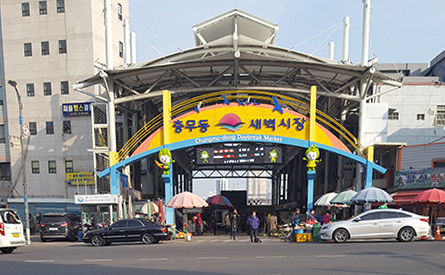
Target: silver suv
[(11, 231)]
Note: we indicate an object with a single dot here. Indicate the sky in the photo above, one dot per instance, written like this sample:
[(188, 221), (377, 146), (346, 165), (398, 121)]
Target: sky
[(401, 31)]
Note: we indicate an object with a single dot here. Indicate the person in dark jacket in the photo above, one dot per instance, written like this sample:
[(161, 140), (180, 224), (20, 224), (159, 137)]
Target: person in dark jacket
[(32, 225), (234, 222), (253, 223), (213, 223)]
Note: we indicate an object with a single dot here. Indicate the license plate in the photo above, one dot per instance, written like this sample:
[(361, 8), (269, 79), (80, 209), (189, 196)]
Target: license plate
[(15, 235), (53, 229), (441, 230)]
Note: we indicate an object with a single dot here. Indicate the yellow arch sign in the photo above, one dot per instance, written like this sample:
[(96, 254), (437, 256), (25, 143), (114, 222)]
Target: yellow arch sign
[(249, 123)]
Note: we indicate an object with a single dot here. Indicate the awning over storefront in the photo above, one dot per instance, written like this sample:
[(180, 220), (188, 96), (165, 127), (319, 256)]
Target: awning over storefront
[(404, 197)]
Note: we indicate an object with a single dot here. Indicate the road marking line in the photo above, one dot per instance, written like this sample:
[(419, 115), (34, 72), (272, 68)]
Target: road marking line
[(331, 256), (98, 260), (154, 259), (39, 261), (212, 241), (227, 241), (212, 258), (271, 257), (200, 241)]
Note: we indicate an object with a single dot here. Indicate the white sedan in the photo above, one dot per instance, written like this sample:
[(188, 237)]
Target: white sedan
[(378, 224)]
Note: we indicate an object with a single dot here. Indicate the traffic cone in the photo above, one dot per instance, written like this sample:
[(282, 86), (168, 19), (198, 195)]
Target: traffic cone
[(437, 236)]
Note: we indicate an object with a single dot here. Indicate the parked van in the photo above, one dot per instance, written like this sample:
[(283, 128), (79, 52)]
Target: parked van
[(59, 226), (11, 231)]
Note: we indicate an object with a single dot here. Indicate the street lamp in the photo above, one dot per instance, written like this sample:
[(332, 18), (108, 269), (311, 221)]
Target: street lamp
[(13, 83)]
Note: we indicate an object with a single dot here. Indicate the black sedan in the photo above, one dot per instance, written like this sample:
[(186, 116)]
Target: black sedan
[(130, 230)]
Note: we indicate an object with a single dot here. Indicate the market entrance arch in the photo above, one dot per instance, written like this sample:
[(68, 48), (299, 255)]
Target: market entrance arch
[(238, 116)]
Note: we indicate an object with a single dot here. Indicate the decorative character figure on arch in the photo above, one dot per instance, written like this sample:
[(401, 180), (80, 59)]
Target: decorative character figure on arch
[(273, 155), (312, 155), (205, 156), (165, 159)]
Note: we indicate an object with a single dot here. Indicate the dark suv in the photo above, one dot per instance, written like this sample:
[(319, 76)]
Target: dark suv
[(59, 226)]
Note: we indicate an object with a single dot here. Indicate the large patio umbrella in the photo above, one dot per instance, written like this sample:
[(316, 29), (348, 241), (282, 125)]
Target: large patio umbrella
[(371, 195), (430, 196), (325, 200), (344, 197), (186, 200), (148, 211), (219, 200)]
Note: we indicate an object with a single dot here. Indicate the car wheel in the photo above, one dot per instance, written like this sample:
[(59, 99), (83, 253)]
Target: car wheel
[(340, 235), (7, 250), (97, 240), (42, 239), (147, 238), (406, 234), (107, 243)]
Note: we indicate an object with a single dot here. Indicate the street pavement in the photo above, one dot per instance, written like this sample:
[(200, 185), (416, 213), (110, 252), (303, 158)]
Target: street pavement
[(214, 255)]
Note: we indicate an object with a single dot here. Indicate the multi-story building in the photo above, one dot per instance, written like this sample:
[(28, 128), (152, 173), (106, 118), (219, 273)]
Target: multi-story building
[(46, 47), (222, 185)]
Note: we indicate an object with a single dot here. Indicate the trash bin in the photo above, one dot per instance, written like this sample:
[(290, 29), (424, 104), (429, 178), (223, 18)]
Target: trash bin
[(316, 232)]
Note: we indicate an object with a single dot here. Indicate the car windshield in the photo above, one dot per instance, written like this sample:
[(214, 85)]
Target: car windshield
[(10, 217), (440, 220), (53, 219)]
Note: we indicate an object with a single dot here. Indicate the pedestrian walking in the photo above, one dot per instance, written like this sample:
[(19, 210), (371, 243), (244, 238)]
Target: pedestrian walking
[(271, 225), (213, 223), (253, 223), (32, 225), (198, 224), (226, 223), (38, 221), (234, 222)]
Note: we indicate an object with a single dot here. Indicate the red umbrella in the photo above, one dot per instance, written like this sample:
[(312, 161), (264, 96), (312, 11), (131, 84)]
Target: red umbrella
[(219, 200), (186, 200), (430, 196)]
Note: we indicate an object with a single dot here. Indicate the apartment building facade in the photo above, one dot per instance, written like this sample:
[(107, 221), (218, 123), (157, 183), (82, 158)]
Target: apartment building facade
[(46, 47)]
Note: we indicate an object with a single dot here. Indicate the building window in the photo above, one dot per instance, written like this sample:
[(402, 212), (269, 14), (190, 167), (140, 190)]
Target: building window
[(69, 166), (2, 134), (42, 7), (60, 6), (438, 163), (440, 115), (30, 89), (67, 127), (50, 128), (119, 11), (64, 88), (25, 9), (33, 128), (420, 116), (62, 46), (35, 166), (28, 49), (47, 88), (393, 115), (121, 49), (52, 167), (45, 48)]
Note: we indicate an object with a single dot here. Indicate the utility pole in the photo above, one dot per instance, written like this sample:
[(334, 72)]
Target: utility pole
[(13, 83)]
